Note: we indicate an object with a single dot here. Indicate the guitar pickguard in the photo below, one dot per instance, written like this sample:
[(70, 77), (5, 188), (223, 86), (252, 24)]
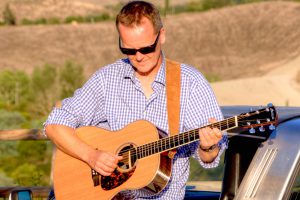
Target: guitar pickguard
[(116, 179)]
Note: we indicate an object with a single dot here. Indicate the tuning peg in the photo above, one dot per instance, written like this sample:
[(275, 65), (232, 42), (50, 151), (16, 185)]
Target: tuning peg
[(272, 127), (252, 130), (261, 129), (270, 105)]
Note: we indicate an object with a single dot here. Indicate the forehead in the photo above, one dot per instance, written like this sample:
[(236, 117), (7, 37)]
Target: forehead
[(144, 26), (137, 35)]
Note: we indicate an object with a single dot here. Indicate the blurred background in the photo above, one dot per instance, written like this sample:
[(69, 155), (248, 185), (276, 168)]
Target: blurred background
[(248, 49)]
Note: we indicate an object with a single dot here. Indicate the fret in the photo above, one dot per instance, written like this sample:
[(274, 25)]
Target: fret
[(227, 124), (192, 136), (172, 142), (180, 139), (160, 145), (150, 149), (147, 149), (169, 145), (187, 138), (156, 145), (138, 152), (141, 151), (176, 140)]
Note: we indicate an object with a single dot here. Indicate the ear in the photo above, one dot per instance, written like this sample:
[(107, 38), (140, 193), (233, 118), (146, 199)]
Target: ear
[(162, 36)]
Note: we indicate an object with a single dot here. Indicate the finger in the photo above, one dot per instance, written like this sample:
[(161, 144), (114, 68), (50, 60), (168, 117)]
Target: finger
[(111, 164), (212, 120), (204, 138), (107, 167), (111, 158), (103, 172), (217, 132), (118, 158)]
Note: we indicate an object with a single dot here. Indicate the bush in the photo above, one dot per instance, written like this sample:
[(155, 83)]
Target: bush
[(28, 175), (87, 19), (8, 16), (11, 120), (14, 89), (212, 78), (70, 78), (44, 21), (97, 18), (72, 19)]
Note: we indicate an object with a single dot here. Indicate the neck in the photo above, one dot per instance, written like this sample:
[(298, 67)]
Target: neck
[(150, 75)]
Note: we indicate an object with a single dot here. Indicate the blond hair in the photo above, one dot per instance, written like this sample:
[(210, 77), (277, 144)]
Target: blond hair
[(132, 13)]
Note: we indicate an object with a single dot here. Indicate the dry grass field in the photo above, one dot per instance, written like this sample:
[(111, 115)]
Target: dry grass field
[(233, 43)]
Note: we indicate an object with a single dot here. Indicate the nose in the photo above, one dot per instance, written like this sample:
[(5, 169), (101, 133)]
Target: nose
[(139, 56)]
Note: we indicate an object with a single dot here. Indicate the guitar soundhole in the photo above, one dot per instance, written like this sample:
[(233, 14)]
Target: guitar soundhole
[(126, 168), (129, 158)]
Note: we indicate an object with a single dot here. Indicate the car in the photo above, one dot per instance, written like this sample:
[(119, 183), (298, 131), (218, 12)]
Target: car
[(260, 168), (260, 163)]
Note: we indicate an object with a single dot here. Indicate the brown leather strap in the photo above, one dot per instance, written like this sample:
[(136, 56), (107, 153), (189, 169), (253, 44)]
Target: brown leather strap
[(173, 95), (173, 98)]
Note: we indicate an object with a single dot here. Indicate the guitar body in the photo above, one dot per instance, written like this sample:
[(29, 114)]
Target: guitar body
[(73, 178)]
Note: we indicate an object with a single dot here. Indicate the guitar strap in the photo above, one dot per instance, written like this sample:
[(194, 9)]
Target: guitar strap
[(173, 98)]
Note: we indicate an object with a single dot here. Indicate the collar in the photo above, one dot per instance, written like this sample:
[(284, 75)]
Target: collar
[(160, 76)]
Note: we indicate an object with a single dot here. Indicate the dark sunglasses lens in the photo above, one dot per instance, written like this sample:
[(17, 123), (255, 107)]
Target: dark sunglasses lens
[(128, 51), (147, 50)]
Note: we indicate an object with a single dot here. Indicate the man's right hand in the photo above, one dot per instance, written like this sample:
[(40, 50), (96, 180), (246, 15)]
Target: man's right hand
[(103, 162)]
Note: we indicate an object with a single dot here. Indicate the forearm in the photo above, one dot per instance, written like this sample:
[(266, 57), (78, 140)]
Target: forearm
[(65, 139)]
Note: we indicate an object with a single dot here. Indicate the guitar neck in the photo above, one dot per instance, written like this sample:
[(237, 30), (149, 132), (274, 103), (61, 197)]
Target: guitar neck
[(172, 142)]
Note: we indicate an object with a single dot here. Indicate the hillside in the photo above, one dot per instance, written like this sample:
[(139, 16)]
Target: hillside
[(37, 9), (233, 42)]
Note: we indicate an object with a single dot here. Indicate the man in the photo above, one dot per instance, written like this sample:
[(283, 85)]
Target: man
[(135, 88)]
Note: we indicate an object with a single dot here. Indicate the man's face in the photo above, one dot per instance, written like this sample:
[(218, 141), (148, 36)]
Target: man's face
[(138, 37)]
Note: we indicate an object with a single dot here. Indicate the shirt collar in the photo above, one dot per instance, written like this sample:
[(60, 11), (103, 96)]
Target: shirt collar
[(160, 77)]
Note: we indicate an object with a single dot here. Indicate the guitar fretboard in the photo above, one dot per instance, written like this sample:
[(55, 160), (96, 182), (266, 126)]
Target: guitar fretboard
[(172, 142)]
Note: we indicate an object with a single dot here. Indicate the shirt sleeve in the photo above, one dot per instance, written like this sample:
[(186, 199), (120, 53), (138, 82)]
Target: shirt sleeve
[(203, 105), (79, 109)]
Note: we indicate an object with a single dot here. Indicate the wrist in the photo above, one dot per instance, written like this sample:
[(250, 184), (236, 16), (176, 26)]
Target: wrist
[(209, 149)]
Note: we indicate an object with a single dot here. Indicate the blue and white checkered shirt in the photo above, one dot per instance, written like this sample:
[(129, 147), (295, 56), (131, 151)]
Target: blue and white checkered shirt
[(113, 97)]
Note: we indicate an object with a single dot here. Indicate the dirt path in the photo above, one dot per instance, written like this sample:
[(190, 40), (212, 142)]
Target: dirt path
[(278, 86)]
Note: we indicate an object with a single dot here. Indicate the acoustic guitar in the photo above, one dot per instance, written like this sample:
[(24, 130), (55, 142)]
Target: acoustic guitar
[(146, 164)]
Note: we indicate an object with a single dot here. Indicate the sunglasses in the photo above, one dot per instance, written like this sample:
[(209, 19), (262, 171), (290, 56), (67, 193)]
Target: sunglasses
[(143, 50)]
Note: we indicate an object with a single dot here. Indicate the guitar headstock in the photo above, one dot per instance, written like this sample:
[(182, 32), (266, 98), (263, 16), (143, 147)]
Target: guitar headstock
[(259, 119)]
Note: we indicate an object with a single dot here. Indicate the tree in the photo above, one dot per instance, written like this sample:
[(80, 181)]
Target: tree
[(71, 77), (8, 16), (14, 89)]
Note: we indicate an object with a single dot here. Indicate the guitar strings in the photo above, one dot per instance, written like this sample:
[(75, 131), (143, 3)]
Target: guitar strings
[(146, 148), (169, 141), (152, 148)]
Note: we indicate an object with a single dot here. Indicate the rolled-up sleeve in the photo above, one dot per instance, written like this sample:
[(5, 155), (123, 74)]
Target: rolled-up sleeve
[(79, 110)]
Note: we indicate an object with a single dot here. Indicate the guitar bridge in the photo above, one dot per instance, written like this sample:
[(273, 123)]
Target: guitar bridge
[(95, 177)]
